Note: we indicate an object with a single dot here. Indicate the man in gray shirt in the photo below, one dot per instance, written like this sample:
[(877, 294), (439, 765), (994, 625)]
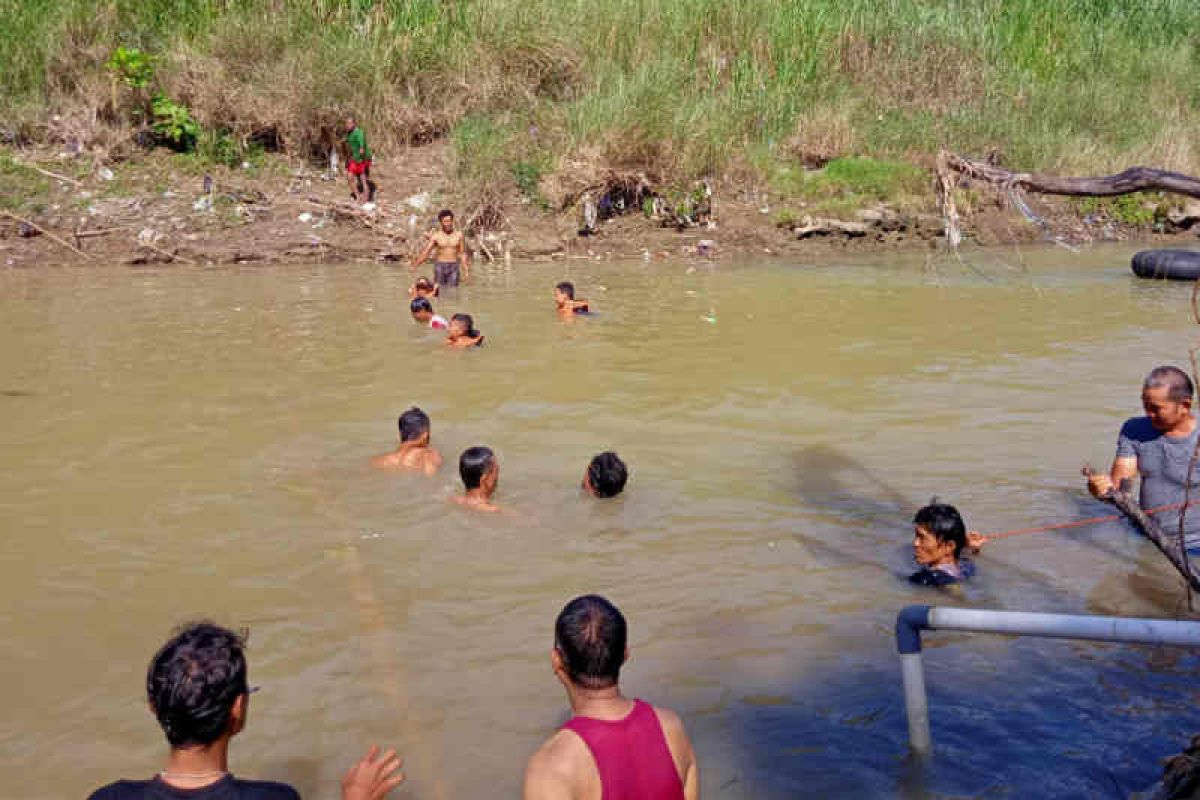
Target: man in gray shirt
[(1159, 448)]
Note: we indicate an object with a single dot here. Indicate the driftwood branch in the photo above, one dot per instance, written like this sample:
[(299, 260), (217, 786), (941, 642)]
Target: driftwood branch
[(50, 174), (1171, 547), (171, 256), (1134, 179), (47, 233)]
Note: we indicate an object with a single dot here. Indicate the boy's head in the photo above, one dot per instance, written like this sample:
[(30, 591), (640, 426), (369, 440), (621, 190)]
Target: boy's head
[(479, 469), (463, 325), (414, 426), (423, 284), (939, 534), (605, 475), (564, 291), (197, 685), (351, 123), (421, 308), (446, 220), (590, 643)]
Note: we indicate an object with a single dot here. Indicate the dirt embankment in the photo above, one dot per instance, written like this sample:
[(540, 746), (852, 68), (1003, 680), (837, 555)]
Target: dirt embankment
[(155, 209)]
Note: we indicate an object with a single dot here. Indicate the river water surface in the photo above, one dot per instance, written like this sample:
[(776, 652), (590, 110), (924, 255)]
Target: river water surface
[(184, 442)]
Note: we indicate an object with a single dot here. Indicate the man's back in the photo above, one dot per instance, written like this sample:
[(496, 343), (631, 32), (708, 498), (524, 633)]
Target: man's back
[(646, 755), (228, 788)]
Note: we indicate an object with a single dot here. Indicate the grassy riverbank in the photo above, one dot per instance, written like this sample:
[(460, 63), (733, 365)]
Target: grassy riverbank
[(526, 89)]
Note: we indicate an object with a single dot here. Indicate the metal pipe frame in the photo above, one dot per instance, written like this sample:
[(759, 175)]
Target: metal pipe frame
[(914, 619)]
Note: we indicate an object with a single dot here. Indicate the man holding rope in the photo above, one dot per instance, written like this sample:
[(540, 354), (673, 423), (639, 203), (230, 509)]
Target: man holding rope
[(1159, 448)]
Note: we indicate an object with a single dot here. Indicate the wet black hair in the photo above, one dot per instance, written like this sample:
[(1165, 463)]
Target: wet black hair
[(470, 323), (607, 474), (413, 423), (590, 636), (567, 288), (445, 212), (423, 283), (419, 304), (193, 682), (945, 523), (1178, 384), (473, 464)]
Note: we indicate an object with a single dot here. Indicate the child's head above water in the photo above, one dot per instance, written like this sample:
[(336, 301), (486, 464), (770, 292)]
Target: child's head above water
[(605, 476), (421, 308), (939, 535), (414, 425), (478, 468), (463, 325), (564, 291), (425, 287)]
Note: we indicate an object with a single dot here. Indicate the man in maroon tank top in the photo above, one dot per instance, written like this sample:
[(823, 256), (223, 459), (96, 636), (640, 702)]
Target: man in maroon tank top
[(613, 748)]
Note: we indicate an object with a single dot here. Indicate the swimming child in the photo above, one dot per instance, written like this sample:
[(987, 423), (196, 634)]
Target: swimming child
[(414, 452), (422, 312), (605, 475), (564, 297), (939, 538), (424, 288), (462, 332), (480, 473)]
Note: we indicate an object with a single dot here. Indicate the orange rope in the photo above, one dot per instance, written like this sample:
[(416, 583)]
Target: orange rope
[(1079, 523)]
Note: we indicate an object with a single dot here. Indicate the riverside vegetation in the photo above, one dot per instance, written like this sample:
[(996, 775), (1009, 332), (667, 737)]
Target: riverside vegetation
[(837, 103)]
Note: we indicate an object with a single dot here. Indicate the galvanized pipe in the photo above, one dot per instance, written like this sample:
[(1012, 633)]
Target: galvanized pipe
[(914, 619)]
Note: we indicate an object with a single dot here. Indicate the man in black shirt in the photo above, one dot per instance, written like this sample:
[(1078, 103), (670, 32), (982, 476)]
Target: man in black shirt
[(197, 687)]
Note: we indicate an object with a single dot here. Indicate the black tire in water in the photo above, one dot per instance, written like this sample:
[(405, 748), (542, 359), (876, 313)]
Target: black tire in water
[(1174, 265)]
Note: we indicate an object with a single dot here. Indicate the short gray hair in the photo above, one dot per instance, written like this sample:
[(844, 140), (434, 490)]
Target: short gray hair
[(1176, 381)]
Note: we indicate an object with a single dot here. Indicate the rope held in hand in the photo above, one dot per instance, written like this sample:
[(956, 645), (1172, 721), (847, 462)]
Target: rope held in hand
[(991, 537)]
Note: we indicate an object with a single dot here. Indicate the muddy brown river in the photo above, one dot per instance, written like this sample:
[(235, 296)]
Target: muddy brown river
[(193, 442)]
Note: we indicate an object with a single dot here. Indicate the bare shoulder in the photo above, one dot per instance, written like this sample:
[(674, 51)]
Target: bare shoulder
[(385, 461), (671, 722), (553, 771), (677, 740)]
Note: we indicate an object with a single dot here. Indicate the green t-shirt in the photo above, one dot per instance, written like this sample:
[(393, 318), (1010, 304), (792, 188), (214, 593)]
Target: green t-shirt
[(356, 140)]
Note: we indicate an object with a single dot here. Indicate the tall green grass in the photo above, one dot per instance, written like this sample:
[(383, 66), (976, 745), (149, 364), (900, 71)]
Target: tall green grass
[(681, 87)]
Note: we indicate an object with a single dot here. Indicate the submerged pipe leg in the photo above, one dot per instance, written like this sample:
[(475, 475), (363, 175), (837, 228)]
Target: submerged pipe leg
[(916, 704)]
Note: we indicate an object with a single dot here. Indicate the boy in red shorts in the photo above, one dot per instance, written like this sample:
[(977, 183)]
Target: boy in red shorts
[(358, 165)]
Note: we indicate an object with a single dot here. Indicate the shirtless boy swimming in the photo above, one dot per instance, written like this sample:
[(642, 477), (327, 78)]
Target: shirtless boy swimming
[(451, 252), (423, 288), (462, 332), (480, 473), (422, 312), (564, 298), (415, 452)]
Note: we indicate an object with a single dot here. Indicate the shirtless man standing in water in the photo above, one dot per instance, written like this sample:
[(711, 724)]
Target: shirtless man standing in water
[(451, 252), (414, 452)]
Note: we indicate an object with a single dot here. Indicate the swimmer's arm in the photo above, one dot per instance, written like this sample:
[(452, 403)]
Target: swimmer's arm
[(682, 753), (1123, 468), (429, 245)]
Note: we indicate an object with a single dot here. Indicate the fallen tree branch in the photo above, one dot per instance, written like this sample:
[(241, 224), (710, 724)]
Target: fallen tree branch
[(47, 233), (167, 253), (1134, 179), (1173, 548), (50, 174)]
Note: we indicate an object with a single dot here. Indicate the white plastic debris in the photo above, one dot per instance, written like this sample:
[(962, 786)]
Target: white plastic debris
[(418, 202), (369, 207), (305, 217), (105, 174)]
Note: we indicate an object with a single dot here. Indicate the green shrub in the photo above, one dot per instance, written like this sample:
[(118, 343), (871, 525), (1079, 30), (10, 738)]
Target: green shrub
[(173, 123), (132, 67)]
